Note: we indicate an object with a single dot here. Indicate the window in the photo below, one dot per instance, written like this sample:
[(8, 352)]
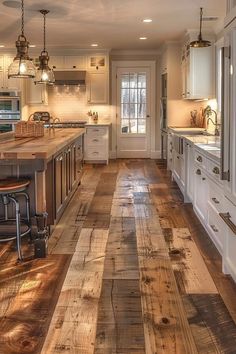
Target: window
[(133, 103)]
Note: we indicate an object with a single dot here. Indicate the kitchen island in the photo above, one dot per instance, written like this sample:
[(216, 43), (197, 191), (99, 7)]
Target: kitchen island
[(53, 163)]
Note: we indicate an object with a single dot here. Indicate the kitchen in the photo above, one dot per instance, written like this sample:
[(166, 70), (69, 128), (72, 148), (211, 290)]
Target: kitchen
[(117, 177)]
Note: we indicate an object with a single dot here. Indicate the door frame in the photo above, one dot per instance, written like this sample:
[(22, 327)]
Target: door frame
[(126, 64)]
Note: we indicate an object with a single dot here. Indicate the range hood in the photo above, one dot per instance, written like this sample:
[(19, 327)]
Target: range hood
[(67, 77)]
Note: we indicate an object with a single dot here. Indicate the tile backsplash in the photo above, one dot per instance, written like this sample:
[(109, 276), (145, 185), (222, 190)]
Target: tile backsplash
[(70, 103)]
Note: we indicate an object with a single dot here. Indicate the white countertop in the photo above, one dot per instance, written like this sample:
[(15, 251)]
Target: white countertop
[(209, 144), (99, 124)]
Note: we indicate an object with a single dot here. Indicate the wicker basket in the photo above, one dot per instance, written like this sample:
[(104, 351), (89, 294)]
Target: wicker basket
[(29, 129)]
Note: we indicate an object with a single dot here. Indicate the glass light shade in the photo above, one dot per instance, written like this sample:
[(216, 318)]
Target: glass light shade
[(44, 76), (21, 68)]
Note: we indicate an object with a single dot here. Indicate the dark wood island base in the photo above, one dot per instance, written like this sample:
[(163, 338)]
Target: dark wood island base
[(53, 163)]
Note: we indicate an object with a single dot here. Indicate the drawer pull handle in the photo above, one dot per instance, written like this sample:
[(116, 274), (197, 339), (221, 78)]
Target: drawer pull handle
[(226, 217), (215, 201), (199, 159), (95, 153), (214, 228), (216, 170), (171, 150), (198, 172), (96, 140)]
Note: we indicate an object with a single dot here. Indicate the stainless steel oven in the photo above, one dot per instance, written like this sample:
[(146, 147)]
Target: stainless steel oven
[(10, 106)]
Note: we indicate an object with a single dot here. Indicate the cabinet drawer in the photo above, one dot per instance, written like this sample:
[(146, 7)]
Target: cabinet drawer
[(214, 170), (96, 132), (216, 228), (94, 141), (200, 159), (95, 154), (216, 197)]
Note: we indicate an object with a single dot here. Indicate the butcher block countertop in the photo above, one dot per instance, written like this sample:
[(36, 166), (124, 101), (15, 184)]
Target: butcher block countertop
[(12, 148)]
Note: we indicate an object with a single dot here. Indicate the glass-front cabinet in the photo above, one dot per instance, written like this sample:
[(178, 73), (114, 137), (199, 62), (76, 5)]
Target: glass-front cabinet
[(230, 5)]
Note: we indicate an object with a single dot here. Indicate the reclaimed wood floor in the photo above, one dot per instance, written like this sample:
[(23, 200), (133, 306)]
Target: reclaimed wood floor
[(130, 271)]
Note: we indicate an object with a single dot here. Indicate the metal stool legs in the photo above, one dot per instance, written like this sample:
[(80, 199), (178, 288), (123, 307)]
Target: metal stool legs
[(18, 233), (13, 198)]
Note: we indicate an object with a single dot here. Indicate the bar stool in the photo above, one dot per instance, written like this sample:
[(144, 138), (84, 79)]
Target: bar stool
[(10, 189)]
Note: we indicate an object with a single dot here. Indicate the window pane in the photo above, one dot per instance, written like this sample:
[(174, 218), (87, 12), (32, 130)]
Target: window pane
[(133, 96), (141, 111), (133, 126), (141, 126), (125, 111), (125, 80), (142, 96), (133, 111), (133, 78), (142, 80), (125, 96), (125, 126)]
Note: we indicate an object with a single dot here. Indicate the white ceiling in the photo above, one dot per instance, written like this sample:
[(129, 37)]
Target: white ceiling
[(115, 24)]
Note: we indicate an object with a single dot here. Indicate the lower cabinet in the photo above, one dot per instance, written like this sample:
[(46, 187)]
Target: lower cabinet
[(67, 174), (96, 144), (200, 193)]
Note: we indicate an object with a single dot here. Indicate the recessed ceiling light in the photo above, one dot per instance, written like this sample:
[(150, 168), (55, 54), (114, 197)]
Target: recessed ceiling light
[(2, 45), (94, 45), (12, 3), (147, 20), (142, 38)]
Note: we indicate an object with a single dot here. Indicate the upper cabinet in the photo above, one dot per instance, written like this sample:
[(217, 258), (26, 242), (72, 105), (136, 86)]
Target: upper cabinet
[(198, 78), (5, 83), (36, 94), (70, 62), (231, 12), (98, 79)]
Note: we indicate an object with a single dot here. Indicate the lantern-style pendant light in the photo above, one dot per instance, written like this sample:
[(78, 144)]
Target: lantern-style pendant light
[(200, 43), (44, 74), (22, 66)]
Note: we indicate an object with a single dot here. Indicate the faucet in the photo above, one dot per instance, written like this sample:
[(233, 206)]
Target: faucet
[(208, 111), (52, 121)]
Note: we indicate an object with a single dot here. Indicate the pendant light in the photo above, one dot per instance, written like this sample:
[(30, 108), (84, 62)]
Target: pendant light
[(200, 43), (22, 66), (44, 74)]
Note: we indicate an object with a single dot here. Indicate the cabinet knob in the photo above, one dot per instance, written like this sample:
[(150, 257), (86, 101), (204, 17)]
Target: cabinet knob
[(203, 178), (214, 228), (216, 170), (199, 159), (198, 172), (215, 201)]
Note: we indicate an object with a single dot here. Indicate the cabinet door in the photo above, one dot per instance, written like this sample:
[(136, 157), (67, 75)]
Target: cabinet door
[(56, 62), (97, 63), (98, 88), (58, 182), (201, 194), (75, 62), (189, 172), (36, 94), (1, 72)]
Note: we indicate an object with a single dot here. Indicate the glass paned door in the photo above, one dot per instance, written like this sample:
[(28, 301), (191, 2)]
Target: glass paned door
[(133, 112), (133, 103)]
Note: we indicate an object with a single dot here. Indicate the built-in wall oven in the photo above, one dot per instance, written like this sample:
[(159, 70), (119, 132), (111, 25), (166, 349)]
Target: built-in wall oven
[(10, 110)]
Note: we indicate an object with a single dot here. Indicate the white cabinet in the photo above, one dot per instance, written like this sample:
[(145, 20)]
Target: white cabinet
[(169, 152), (198, 73), (164, 62), (200, 193), (189, 172), (97, 62), (36, 94), (96, 143), (75, 62), (98, 87), (5, 83), (56, 62), (228, 119)]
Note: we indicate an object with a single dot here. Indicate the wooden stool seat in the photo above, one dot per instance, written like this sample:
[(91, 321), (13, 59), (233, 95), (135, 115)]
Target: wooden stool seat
[(13, 185)]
